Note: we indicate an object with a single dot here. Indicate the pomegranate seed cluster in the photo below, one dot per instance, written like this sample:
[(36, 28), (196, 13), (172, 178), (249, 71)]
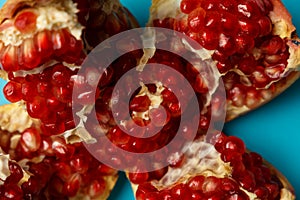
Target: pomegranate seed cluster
[(249, 174), (48, 97), (54, 169), (134, 132), (42, 66), (249, 56)]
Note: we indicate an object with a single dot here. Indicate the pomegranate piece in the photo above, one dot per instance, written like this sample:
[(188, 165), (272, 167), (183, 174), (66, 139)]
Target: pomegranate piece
[(212, 176), (42, 46), (37, 166), (244, 38)]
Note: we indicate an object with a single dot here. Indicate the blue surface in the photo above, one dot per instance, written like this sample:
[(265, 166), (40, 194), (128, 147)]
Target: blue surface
[(272, 130)]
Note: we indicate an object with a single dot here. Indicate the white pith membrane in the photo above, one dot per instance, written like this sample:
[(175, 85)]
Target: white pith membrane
[(15, 115), (282, 26)]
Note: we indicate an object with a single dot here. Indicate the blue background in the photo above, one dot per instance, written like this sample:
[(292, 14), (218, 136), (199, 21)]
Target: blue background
[(272, 130)]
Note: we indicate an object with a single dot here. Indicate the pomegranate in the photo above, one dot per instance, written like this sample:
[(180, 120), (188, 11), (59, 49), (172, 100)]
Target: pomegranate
[(253, 43), (220, 168), (42, 46), (35, 166), (53, 84)]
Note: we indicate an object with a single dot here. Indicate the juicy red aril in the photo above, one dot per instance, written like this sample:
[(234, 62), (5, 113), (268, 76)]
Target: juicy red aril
[(37, 107), (209, 39), (140, 103), (26, 21), (16, 173), (196, 19), (72, 185), (188, 6), (30, 140), (11, 191), (12, 91), (237, 95), (46, 94), (196, 183)]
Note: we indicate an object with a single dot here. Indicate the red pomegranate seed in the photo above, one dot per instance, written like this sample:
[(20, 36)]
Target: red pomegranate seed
[(29, 91), (179, 191), (249, 27), (37, 108), (31, 139), (196, 19), (138, 177), (229, 24), (196, 183), (29, 57), (209, 39), (140, 103), (188, 6), (265, 25), (25, 21), (262, 192), (244, 43), (226, 45), (229, 185), (12, 191), (44, 43), (213, 20), (159, 116), (272, 46), (247, 64), (72, 185), (9, 59), (79, 163), (248, 9), (96, 188), (237, 95), (252, 98), (247, 180), (13, 91), (211, 184), (235, 144), (16, 173), (31, 186), (259, 78)]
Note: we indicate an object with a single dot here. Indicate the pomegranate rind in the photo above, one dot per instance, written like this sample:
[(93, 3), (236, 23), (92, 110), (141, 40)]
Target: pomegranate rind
[(283, 26)]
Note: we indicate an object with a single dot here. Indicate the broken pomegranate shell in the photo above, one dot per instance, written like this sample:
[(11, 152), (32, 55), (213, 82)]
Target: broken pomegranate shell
[(35, 166), (253, 43), (219, 168)]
